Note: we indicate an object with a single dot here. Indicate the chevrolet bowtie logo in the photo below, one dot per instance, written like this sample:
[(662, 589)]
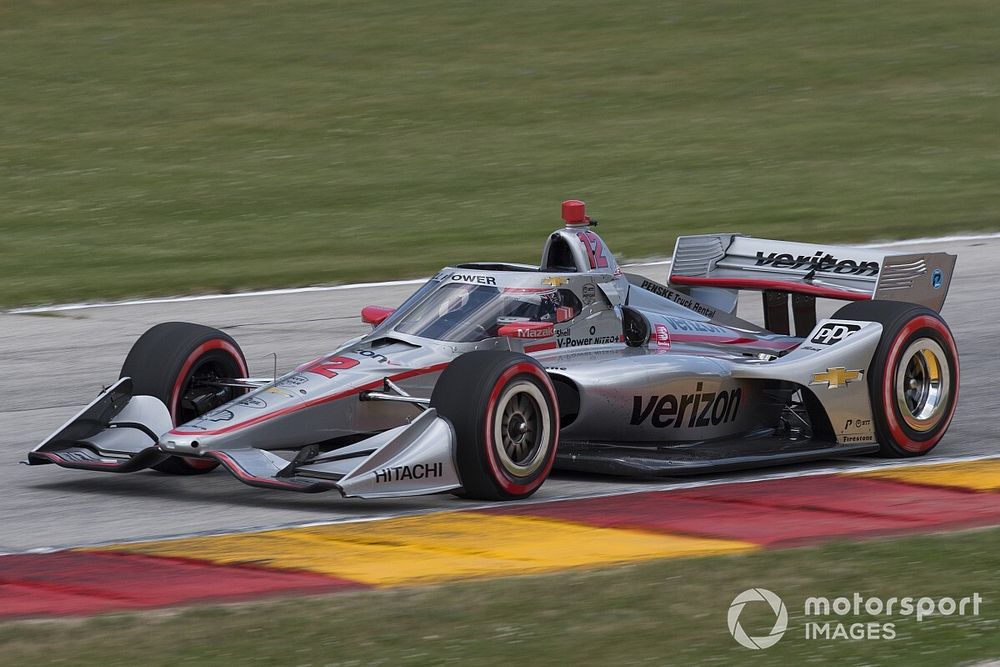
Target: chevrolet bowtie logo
[(834, 378)]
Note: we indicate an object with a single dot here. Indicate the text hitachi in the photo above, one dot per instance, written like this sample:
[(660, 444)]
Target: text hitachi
[(415, 471)]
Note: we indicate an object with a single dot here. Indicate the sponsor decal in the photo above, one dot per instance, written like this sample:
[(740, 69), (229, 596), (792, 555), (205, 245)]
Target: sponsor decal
[(555, 282), (657, 288), (589, 293), (415, 471), (293, 381), (589, 340), (471, 278), (691, 325), (937, 278), (661, 337), (374, 356), (820, 262), (253, 402), (703, 408), (856, 424), (678, 298), (531, 332), (835, 378), (834, 332), (219, 416)]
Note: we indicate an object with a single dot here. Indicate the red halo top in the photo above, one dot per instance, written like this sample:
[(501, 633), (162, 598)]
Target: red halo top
[(574, 212)]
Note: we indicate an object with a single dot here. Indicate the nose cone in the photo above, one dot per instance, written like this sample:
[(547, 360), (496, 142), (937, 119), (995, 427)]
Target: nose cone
[(180, 443)]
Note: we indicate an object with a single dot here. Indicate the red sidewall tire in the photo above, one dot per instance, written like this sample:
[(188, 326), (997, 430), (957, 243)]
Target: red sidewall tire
[(904, 324), (469, 394), (508, 484), (221, 344), (913, 442), (197, 356), (161, 364)]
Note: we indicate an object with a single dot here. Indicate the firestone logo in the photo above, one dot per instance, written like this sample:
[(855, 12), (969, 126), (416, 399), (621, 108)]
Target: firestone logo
[(780, 621)]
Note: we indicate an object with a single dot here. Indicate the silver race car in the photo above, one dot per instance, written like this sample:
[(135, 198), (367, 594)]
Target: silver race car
[(491, 374)]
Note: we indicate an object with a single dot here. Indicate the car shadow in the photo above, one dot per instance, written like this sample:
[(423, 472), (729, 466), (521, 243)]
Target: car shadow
[(219, 489)]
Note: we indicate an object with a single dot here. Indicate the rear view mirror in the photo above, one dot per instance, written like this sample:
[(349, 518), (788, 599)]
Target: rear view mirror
[(375, 315)]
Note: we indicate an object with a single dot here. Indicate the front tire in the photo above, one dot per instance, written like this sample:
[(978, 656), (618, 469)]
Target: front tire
[(169, 361), (505, 413), (913, 378)]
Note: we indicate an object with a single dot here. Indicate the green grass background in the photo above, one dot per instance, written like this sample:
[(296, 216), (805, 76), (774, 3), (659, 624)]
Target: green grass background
[(670, 612), (199, 145)]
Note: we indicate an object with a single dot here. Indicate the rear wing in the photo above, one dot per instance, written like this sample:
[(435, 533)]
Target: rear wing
[(808, 271)]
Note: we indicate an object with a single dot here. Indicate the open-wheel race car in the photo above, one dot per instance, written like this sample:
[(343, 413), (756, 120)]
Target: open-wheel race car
[(490, 374)]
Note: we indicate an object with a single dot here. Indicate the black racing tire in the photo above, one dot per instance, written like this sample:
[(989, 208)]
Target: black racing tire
[(505, 413), (913, 377), (164, 362)]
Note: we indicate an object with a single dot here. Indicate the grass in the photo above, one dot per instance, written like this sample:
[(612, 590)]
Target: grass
[(210, 145), (665, 612)]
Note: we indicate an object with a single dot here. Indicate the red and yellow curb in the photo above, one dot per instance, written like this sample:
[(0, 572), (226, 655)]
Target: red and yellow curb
[(81, 582), (784, 512), (979, 476), (439, 547), (507, 540)]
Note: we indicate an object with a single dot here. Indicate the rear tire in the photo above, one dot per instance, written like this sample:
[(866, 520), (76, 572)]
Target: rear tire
[(167, 360), (913, 378), (505, 413)]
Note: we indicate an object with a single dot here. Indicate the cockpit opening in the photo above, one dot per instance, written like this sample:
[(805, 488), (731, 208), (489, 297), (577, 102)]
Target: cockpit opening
[(466, 313)]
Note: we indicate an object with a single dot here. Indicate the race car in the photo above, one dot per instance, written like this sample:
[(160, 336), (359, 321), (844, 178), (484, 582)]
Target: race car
[(491, 374)]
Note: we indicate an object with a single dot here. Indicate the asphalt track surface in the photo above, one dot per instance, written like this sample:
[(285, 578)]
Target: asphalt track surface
[(52, 363)]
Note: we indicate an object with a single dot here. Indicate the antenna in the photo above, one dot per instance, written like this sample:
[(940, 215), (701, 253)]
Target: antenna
[(275, 355)]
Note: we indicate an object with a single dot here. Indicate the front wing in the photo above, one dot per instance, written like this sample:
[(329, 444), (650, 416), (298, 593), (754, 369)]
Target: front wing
[(120, 432)]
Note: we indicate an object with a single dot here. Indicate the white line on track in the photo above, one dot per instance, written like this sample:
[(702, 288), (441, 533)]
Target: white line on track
[(212, 297), (932, 239), (396, 283), (644, 488)]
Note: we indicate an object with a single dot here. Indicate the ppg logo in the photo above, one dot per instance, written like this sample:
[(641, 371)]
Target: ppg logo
[(834, 332)]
